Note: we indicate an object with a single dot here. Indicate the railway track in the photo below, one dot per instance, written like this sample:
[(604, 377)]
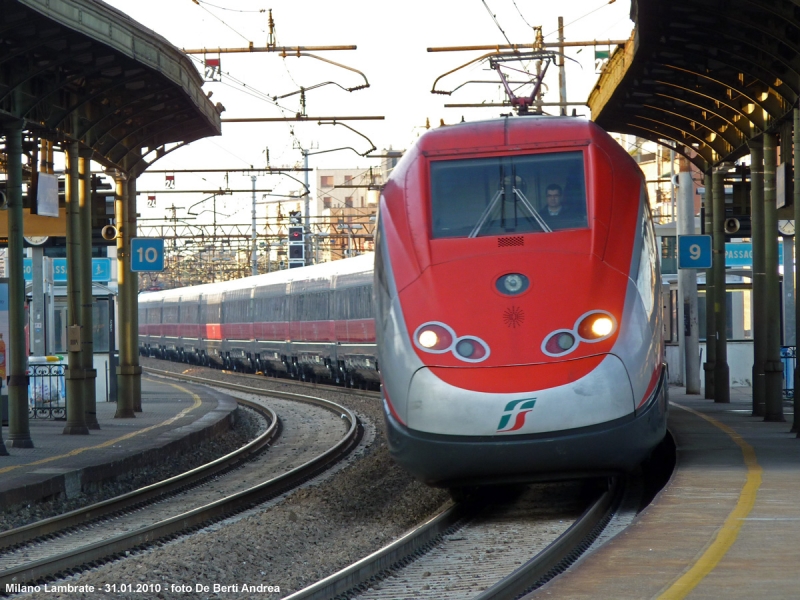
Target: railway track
[(312, 438), (481, 548)]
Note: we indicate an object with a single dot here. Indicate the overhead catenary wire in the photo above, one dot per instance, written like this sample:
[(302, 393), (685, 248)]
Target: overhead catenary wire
[(494, 18), (591, 12), (221, 21), (524, 20), (261, 10)]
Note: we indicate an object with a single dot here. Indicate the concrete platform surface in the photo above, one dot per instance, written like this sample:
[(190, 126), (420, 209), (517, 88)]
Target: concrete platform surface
[(727, 525), (175, 417)]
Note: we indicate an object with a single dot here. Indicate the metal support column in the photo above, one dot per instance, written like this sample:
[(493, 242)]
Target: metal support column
[(253, 233), (125, 401), (796, 171), (76, 401), (759, 298), (562, 72), (722, 383), (38, 302), (773, 366), (687, 282), (711, 327), (19, 434), (132, 299), (86, 298)]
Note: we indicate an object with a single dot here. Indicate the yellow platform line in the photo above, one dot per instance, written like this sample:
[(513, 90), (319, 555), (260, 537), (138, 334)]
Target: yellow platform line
[(729, 531), (197, 402)]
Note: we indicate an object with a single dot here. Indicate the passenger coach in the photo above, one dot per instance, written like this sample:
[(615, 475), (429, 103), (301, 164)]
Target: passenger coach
[(313, 322)]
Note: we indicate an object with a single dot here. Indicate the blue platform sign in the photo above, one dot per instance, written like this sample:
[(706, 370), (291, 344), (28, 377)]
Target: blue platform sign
[(147, 254), (694, 251), (101, 269), (739, 255)]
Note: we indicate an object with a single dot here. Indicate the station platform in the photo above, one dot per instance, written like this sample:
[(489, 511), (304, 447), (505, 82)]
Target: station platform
[(175, 417), (727, 525)]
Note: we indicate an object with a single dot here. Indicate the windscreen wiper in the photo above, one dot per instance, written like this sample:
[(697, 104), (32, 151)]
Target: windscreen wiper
[(545, 227), (486, 213)]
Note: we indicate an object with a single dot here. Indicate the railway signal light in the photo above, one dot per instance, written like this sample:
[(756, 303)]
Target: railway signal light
[(297, 247)]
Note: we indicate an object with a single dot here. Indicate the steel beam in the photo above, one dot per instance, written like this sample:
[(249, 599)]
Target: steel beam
[(711, 326), (773, 366), (796, 170), (759, 276), (76, 407), (86, 297), (19, 434), (687, 283), (722, 385), (125, 401), (131, 339)]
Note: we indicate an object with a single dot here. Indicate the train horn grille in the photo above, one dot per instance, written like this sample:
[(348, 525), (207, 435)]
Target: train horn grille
[(514, 240)]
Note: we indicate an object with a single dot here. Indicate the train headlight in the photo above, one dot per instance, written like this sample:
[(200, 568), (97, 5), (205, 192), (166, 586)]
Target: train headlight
[(512, 284), (596, 326), (438, 338), (434, 337), (428, 338)]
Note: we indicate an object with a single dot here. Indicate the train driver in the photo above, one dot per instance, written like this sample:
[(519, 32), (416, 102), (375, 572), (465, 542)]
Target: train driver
[(560, 215)]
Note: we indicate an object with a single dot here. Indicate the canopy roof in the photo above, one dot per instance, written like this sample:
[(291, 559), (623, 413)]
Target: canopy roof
[(80, 70)]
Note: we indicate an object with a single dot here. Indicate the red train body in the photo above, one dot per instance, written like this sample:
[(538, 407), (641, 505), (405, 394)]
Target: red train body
[(522, 344)]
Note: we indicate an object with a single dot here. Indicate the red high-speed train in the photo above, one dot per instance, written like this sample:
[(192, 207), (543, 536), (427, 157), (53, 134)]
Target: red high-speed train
[(517, 313), (515, 308)]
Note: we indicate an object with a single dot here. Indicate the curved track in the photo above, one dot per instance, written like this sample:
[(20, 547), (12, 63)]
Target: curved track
[(479, 549), (312, 439)]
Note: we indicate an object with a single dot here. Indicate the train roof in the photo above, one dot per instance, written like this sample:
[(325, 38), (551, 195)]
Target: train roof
[(361, 264), (509, 131)]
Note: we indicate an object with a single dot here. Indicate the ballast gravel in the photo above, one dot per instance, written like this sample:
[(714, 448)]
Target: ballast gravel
[(285, 545)]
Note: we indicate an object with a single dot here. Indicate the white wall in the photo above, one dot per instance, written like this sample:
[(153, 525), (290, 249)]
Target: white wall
[(740, 363)]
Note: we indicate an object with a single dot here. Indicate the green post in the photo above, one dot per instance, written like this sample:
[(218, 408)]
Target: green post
[(76, 406), (759, 276), (19, 433), (722, 387), (796, 170), (773, 366), (132, 309), (125, 401), (711, 328), (86, 297)]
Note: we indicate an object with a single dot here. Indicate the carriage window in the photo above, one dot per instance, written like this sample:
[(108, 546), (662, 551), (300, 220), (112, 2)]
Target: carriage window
[(512, 194)]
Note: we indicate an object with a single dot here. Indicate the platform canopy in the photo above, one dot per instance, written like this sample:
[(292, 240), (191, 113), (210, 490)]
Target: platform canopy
[(80, 70), (706, 74)]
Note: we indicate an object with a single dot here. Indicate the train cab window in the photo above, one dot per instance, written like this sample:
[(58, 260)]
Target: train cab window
[(511, 194)]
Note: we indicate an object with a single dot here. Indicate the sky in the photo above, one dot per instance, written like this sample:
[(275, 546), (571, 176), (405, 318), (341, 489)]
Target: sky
[(392, 41)]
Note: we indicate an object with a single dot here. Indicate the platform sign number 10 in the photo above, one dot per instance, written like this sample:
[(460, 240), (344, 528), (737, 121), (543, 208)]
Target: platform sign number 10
[(147, 254)]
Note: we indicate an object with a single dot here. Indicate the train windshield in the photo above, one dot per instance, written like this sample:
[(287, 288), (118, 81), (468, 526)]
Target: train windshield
[(510, 194)]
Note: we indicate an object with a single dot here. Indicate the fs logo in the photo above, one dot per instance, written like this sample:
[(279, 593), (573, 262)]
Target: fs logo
[(514, 415)]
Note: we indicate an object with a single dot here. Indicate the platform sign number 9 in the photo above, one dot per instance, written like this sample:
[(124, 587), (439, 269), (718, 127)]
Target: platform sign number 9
[(147, 254), (694, 252)]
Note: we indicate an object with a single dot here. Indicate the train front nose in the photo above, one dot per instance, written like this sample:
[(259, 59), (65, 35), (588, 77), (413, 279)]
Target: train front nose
[(455, 436)]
